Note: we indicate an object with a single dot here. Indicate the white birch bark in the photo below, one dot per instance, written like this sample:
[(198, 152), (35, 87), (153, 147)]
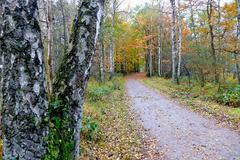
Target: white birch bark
[(174, 43), (24, 95), (111, 47), (179, 40)]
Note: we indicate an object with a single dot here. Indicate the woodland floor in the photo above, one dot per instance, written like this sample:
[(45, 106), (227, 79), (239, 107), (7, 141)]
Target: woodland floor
[(180, 132)]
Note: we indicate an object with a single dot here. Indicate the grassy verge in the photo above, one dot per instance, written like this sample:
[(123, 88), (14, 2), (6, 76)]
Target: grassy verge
[(199, 99), (109, 129)]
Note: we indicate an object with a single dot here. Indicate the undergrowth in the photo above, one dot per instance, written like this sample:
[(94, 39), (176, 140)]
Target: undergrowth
[(109, 131)]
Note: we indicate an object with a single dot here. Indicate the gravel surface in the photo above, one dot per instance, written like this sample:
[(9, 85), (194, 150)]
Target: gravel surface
[(181, 134)]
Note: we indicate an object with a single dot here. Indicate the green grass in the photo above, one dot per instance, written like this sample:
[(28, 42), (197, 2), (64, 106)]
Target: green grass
[(198, 98)]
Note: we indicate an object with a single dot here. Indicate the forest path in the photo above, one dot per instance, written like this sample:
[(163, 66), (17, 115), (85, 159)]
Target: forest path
[(181, 134)]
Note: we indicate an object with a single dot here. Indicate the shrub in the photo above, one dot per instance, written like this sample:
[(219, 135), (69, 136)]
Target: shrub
[(96, 91), (229, 97), (90, 129)]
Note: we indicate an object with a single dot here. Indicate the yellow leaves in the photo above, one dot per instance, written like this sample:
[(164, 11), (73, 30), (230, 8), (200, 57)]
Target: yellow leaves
[(230, 9)]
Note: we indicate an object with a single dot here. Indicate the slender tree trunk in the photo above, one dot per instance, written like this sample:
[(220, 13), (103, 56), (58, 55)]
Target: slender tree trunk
[(65, 35), (212, 45), (150, 64), (50, 43), (24, 95), (111, 47), (101, 55), (148, 54), (174, 43), (179, 40), (237, 67), (160, 43), (71, 79)]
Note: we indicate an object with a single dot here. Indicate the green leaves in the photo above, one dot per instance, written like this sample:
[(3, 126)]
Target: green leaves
[(230, 97), (90, 129)]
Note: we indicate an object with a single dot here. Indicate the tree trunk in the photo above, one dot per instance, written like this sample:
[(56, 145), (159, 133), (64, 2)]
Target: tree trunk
[(179, 40), (149, 54), (159, 63), (24, 95), (174, 43), (71, 79), (65, 35), (237, 67), (1, 61), (212, 45), (101, 55), (111, 47), (49, 51)]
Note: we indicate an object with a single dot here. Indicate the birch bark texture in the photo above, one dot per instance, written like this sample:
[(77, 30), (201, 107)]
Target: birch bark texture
[(73, 74), (101, 53), (179, 40), (174, 43), (25, 109), (24, 95), (111, 45)]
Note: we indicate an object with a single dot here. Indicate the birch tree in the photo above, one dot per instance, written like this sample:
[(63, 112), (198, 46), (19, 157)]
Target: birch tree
[(25, 109), (101, 54), (174, 43), (111, 45), (71, 79), (179, 40), (1, 61), (24, 95), (159, 63), (64, 23)]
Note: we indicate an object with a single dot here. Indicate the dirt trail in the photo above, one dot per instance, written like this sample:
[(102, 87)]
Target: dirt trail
[(180, 133)]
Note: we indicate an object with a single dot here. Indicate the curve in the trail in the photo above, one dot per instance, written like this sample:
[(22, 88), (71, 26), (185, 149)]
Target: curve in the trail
[(180, 133)]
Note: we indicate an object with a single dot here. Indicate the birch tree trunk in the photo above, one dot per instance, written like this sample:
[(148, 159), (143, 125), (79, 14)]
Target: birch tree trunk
[(1, 63), (159, 63), (179, 40), (71, 79), (49, 51), (65, 35), (24, 95), (101, 55), (174, 43), (150, 50), (111, 47)]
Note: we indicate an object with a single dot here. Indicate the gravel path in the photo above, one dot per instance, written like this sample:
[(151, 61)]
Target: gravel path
[(180, 133)]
